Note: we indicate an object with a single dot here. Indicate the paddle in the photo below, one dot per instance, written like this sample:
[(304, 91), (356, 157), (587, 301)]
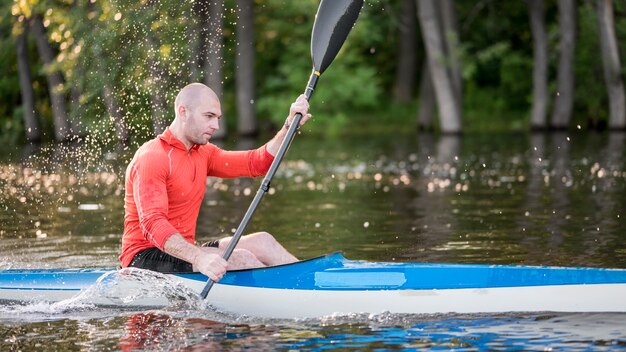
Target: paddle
[(333, 22)]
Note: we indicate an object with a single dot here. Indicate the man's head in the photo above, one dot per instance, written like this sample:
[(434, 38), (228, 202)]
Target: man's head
[(198, 112)]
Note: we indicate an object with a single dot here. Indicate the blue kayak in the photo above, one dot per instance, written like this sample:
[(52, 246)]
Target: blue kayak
[(332, 284)]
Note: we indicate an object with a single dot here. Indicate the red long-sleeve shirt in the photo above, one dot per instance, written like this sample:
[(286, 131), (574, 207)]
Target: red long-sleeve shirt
[(165, 185)]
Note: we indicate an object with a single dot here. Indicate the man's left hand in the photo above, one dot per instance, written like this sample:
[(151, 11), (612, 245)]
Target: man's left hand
[(301, 105)]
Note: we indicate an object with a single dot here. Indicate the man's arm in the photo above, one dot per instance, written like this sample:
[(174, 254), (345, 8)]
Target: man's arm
[(252, 163), (301, 105), (211, 265)]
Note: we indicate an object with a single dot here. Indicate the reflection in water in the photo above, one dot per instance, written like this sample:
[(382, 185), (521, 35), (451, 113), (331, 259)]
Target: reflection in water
[(528, 220), (571, 199), (437, 173), (608, 204), (561, 181), (149, 329), (546, 203), (600, 332)]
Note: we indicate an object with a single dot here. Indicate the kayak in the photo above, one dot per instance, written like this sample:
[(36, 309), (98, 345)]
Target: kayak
[(332, 284)]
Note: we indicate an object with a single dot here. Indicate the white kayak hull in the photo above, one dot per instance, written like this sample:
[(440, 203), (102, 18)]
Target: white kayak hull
[(289, 304), (280, 303)]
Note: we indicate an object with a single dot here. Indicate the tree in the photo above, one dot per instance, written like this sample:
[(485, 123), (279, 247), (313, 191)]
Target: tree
[(245, 68), (426, 110), (451, 38), (540, 65), (612, 66), (211, 20), (564, 102), (156, 87), (407, 53), (449, 107), (31, 126), (55, 81), (109, 92), (115, 113)]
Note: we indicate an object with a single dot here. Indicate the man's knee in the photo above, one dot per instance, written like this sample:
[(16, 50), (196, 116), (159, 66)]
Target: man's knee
[(263, 238)]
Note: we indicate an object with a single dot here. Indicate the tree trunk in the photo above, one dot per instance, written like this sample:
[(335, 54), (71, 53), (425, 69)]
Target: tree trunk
[(246, 116), (407, 56), (540, 65), (115, 113), (449, 111), (31, 127), (211, 14), (564, 102), (157, 89), (195, 39), (426, 112), (451, 38), (612, 66), (157, 101), (55, 82), (75, 110)]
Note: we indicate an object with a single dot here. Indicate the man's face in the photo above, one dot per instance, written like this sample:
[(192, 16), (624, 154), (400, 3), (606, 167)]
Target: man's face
[(202, 120)]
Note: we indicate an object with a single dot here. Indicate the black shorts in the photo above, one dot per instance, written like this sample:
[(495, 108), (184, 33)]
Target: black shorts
[(156, 260)]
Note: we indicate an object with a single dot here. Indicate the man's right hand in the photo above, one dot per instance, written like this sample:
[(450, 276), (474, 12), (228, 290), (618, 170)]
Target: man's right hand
[(211, 265)]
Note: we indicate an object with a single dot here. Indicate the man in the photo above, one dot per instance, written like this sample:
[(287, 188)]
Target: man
[(165, 184)]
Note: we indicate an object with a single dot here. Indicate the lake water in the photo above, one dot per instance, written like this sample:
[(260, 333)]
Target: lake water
[(541, 199)]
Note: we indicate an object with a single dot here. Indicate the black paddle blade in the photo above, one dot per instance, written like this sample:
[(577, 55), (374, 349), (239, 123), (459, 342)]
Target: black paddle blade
[(333, 22)]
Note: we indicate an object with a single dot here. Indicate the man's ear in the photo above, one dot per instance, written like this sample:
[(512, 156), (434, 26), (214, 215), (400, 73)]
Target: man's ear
[(182, 112)]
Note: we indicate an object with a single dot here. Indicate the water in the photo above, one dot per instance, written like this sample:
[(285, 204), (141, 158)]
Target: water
[(507, 199), (184, 331)]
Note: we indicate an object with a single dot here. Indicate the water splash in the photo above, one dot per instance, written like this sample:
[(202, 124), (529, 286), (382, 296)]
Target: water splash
[(125, 289), (133, 287)]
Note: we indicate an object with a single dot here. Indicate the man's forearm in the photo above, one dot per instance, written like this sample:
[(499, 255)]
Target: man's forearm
[(301, 106), (274, 144), (211, 265), (178, 247)]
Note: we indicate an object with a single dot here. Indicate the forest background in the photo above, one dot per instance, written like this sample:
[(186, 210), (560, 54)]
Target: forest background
[(110, 69)]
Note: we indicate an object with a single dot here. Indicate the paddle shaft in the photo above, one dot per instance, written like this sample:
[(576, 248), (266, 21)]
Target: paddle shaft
[(265, 185)]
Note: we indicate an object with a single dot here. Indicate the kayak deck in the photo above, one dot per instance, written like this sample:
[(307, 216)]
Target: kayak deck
[(334, 272)]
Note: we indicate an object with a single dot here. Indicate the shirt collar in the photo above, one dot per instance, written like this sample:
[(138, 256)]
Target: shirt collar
[(168, 137)]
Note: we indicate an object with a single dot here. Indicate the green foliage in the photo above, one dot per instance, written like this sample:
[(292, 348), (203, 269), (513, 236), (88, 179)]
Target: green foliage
[(9, 79), (514, 72), (348, 85), (137, 48), (12, 129), (588, 70)]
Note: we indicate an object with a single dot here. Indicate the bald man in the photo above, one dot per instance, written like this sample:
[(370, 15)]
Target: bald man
[(165, 184)]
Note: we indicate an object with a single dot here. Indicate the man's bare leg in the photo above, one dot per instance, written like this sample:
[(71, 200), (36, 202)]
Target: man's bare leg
[(264, 247)]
